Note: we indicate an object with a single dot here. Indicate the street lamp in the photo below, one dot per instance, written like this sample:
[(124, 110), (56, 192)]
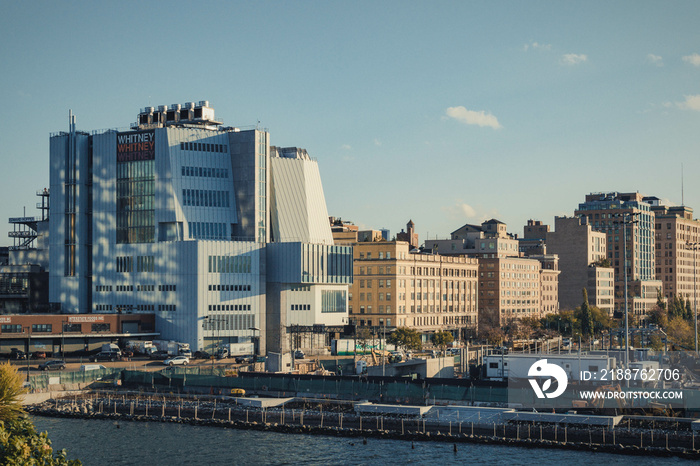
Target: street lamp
[(694, 247), (627, 219)]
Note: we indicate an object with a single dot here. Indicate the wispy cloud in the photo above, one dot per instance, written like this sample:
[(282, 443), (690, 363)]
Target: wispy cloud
[(573, 58), (692, 102), (346, 147), (693, 59), (377, 142), (471, 117), (537, 46), (655, 60), (461, 211)]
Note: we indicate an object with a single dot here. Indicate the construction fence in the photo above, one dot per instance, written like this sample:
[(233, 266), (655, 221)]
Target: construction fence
[(335, 387)]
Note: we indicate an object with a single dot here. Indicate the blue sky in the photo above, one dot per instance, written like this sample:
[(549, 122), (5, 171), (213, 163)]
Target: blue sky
[(443, 112)]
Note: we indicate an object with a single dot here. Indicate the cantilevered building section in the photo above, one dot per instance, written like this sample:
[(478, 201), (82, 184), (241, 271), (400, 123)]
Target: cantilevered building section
[(297, 198), (176, 217)]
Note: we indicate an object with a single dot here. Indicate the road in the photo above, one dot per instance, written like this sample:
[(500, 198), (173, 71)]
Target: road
[(140, 363)]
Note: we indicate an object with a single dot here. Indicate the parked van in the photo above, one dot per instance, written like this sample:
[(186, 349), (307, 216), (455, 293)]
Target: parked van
[(91, 367)]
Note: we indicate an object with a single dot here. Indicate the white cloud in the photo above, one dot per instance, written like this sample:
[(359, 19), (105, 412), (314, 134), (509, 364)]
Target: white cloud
[(693, 59), (346, 147), (573, 58), (377, 142), (537, 46), (462, 212), (692, 102), (467, 210), (655, 60), (471, 117)]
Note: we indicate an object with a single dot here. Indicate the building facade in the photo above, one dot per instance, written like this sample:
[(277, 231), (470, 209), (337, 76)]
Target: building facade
[(582, 253), (616, 214), (177, 216), (677, 241), (510, 288), (490, 239), (394, 287)]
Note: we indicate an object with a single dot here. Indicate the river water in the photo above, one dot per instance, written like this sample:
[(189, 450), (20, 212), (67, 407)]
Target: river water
[(99, 442)]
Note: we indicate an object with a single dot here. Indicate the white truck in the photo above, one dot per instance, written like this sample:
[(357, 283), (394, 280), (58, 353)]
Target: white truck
[(111, 348), (349, 347), (140, 346), (173, 348), (577, 368), (231, 350)]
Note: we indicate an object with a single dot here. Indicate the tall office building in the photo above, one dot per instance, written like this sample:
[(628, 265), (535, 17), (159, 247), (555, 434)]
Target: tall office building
[(224, 237), (606, 212), (581, 252)]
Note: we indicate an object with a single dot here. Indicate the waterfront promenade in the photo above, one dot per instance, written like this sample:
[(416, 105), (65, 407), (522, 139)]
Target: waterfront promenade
[(632, 436)]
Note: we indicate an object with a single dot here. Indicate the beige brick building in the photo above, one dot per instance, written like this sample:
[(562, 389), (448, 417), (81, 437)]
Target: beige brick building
[(549, 283), (427, 292), (509, 288), (677, 236)]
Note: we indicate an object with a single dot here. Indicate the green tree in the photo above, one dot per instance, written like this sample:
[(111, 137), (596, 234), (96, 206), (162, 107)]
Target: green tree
[(601, 320), (20, 443), (676, 307), (441, 339), (586, 317), (406, 338), (363, 336), (660, 300), (680, 333), (688, 309), (11, 390), (494, 336), (604, 262)]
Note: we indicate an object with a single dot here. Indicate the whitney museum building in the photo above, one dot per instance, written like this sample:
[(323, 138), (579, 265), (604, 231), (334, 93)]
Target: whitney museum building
[(219, 235)]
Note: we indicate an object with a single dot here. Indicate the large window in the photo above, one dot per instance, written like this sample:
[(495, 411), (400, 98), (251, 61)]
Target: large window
[(135, 201), (333, 301), (100, 327), (11, 328)]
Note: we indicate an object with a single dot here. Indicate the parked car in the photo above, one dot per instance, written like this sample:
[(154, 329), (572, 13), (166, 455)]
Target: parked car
[(177, 361), (201, 355), (53, 365), (104, 356), (17, 354), (244, 359), (39, 355), (159, 355), (299, 354)]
